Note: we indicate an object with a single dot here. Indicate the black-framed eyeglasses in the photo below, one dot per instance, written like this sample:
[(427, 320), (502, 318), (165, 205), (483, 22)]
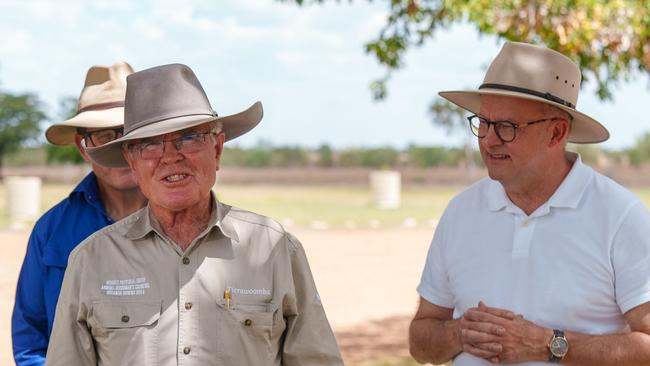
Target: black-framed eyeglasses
[(506, 130), (100, 137), (153, 149)]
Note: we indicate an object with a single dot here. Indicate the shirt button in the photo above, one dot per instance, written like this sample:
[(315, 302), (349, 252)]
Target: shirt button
[(125, 318), (525, 223), (188, 305), (186, 260), (186, 350), (248, 322)]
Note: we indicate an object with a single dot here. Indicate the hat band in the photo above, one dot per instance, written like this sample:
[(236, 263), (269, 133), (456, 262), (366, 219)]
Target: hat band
[(547, 96), (100, 106)]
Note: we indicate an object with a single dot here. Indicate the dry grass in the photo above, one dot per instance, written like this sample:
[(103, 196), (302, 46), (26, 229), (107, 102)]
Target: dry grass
[(333, 206)]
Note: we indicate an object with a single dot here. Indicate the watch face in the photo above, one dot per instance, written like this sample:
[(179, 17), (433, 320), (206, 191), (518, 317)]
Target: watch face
[(559, 347)]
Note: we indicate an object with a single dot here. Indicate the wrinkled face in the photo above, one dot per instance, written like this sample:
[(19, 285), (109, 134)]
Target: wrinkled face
[(181, 175), (519, 161), (116, 178)]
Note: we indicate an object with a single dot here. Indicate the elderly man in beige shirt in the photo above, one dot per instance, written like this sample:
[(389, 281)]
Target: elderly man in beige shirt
[(187, 280)]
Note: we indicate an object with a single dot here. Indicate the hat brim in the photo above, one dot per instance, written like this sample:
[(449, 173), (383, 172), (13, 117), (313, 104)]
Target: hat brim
[(63, 133), (584, 129), (235, 125)]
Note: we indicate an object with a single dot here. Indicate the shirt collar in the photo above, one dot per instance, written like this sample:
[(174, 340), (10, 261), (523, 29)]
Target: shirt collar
[(88, 190), (145, 222), (88, 187), (223, 221), (570, 192), (567, 195)]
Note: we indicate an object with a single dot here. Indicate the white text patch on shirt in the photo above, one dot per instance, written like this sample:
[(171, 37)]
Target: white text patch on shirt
[(126, 287), (250, 291)]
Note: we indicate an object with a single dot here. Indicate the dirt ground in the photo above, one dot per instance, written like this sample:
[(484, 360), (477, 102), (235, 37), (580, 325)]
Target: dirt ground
[(366, 279)]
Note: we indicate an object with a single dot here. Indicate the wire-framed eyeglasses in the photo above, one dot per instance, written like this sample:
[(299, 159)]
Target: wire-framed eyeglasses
[(506, 130), (152, 149)]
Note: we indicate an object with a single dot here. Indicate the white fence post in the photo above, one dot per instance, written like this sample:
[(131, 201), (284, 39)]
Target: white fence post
[(386, 186), (23, 199)]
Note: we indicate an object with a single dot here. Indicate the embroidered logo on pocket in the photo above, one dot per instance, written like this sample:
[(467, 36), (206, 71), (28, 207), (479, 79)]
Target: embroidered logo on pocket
[(126, 287)]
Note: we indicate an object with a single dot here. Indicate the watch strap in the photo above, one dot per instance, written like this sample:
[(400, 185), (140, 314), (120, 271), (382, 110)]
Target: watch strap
[(556, 334)]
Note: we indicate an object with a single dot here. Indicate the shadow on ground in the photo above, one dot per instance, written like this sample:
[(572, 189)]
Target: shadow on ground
[(383, 338)]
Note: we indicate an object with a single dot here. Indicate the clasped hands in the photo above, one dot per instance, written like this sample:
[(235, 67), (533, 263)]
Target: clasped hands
[(501, 336)]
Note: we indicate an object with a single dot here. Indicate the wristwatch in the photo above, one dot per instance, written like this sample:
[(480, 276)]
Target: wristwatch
[(558, 346)]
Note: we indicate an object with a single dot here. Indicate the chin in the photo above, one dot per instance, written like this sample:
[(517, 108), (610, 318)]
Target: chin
[(178, 203), (494, 175), (125, 183)]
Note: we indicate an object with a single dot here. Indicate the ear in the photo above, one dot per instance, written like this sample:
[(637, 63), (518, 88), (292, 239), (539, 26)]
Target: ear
[(126, 154), (218, 147), (80, 147), (560, 129), (129, 160)]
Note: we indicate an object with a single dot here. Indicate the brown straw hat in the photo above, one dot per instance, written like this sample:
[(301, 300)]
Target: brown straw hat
[(532, 72), (166, 99), (101, 103)]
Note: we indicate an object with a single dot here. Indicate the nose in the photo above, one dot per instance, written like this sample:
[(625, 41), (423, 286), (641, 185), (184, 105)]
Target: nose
[(170, 152), (491, 138)]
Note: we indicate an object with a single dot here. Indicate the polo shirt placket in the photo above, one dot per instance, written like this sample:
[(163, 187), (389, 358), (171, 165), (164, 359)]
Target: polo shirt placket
[(524, 231)]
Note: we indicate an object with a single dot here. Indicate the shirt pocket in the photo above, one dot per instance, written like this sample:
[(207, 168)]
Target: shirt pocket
[(245, 333), (125, 332)]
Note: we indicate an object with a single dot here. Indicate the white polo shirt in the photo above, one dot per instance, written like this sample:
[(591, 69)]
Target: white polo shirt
[(578, 263)]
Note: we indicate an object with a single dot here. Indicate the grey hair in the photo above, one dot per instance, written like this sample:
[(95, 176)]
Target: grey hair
[(217, 126), (552, 110)]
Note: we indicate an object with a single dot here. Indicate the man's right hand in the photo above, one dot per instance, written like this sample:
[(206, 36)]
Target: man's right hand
[(480, 332)]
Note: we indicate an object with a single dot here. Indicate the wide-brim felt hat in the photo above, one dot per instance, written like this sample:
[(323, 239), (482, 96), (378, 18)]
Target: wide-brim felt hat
[(531, 72), (167, 99), (100, 105)]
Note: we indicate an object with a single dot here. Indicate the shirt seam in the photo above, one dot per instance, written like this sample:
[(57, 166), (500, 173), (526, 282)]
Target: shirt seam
[(619, 225), (234, 216)]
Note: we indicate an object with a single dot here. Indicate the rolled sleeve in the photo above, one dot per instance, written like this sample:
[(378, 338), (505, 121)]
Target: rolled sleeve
[(309, 339)]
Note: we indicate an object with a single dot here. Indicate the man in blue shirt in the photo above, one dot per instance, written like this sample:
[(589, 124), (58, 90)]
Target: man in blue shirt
[(104, 196)]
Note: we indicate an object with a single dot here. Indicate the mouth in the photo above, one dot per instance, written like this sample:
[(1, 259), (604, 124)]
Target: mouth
[(498, 156), (175, 178)]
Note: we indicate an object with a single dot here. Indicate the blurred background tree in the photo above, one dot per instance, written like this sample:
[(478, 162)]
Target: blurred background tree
[(64, 154), (20, 119), (640, 152), (325, 156)]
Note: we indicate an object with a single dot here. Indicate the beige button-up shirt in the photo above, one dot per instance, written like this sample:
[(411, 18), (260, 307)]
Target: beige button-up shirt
[(241, 294)]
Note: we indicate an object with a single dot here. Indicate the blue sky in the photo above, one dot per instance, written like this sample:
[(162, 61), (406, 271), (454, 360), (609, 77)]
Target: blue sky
[(307, 65)]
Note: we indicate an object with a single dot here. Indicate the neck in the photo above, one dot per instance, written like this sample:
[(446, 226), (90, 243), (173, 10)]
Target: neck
[(539, 189), (120, 203), (185, 225)]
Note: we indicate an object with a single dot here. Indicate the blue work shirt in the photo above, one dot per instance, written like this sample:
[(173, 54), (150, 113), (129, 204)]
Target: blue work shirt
[(54, 236)]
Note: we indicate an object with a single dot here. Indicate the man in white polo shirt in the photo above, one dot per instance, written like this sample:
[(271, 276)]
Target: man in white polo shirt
[(547, 261)]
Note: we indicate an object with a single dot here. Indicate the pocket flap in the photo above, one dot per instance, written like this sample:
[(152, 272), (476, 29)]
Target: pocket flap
[(251, 314), (126, 314)]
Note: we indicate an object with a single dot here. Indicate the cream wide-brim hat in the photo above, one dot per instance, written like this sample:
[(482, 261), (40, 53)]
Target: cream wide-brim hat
[(536, 73), (167, 99), (100, 105)]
